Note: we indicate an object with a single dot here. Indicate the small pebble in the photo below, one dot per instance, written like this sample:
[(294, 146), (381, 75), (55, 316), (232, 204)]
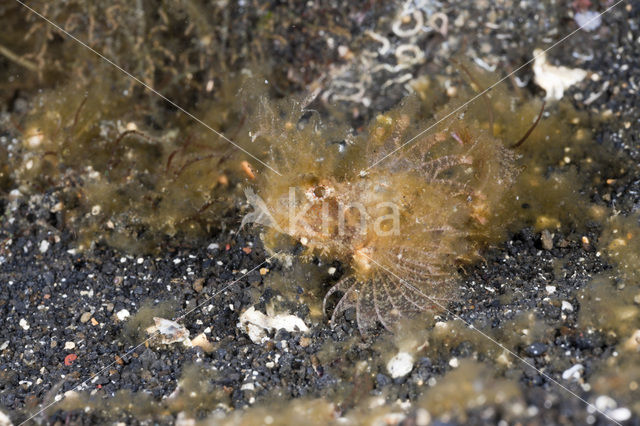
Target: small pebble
[(536, 349), (566, 306), (44, 246), (24, 324), (198, 285), (123, 314), (69, 346), (305, 341), (85, 317), (400, 365)]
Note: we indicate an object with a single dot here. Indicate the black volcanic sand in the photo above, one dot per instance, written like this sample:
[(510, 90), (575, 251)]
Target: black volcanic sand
[(44, 293)]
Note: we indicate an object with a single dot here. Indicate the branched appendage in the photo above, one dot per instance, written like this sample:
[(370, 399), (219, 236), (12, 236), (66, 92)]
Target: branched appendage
[(115, 159), (402, 228)]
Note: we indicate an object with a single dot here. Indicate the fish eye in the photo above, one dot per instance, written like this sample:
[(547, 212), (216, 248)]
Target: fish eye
[(319, 191)]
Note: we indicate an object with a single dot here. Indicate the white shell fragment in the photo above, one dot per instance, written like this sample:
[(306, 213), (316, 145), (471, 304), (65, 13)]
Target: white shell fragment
[(202, 341), (400, 365), (573, 373), (553, 79), (566, 306), (24, 324), (44, 246), (169, 331), (123, 314), (256, 324)]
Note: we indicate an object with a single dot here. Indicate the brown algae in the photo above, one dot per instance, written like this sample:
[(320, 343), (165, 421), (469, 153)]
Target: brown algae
[(123, 181)]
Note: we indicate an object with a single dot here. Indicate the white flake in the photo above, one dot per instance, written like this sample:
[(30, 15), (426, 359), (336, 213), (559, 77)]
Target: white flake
[(44, 246), (553, 79), (170, 331), (400, 365), (123, 314), (256, 324), (573, 373), (24, 324), (247, 386)]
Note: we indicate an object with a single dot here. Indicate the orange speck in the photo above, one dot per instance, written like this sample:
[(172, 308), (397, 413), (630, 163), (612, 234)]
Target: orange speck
[(247, 250), (227, 247)]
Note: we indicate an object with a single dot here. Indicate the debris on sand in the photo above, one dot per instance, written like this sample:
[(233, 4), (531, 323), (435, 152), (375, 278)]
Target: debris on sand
[(169, 331), (554, 79), (256, 324)]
